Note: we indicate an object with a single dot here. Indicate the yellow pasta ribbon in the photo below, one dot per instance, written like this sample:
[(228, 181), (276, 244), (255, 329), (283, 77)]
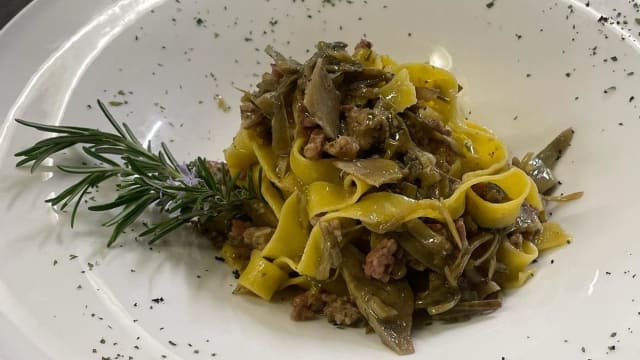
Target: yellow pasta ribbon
[(552, 235), (313, 262), (268, 161), (400, 93), (370, 58), (518, 186), (240, 155), (484, 153), (290, 237), (231, 258), (272, 196), (325, 196), (426, 75), (382, 211), (309, 171), (516, 262), (246, 150), (262, 277)]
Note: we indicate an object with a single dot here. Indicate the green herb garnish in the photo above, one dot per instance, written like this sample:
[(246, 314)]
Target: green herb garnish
[(190, 192)]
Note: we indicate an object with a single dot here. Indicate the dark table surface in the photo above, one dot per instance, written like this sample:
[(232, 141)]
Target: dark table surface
[(9, 9)]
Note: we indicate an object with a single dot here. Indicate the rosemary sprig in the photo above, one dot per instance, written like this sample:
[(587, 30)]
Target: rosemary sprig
[(186, 192)]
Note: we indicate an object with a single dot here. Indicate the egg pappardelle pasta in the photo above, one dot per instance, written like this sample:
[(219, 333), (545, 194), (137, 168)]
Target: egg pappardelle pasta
[(389, 204)]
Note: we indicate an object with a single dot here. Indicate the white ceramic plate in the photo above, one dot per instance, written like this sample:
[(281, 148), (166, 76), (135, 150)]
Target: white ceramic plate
[(58, 57)]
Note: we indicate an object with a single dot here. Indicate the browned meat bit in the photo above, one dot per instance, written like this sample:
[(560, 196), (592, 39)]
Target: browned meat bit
[(313, 149), (379, 261), (238, 227), (258, 236), (341, 311), (250, 114), (307, 305), (344, 147), (369, 127), (436, 125), (364, 44)]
